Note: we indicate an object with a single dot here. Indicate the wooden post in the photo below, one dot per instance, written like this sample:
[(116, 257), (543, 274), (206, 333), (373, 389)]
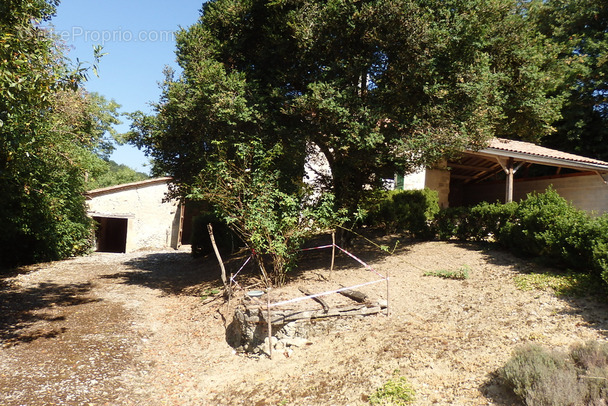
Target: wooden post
[(269, 322), (333, 251), (182, 211), (227, 287), (509, 170), (388, 302)]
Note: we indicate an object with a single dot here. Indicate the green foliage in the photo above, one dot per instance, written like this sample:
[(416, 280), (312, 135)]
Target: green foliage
[(376, 85), (460, 274), (109, 173), (446, 223), (541, 226), (245, 188), (547, 225), (541, 378), (486, 221), (578, 28), (397, 391), (406, 211), (50, 136), (482, 222)]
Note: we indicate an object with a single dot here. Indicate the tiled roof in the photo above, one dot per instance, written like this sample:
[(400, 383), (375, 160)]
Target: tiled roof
[(127, 186), (526, 148)]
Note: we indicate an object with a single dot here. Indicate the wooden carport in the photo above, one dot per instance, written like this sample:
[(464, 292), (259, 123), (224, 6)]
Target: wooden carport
[(510, 156)]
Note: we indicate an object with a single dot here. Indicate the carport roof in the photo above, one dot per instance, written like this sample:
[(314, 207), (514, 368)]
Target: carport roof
[(529, 152), (476, 166)]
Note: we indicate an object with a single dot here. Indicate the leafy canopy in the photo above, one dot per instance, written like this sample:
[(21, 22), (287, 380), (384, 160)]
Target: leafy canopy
[(51, 133), (375, 85), (579, 28)]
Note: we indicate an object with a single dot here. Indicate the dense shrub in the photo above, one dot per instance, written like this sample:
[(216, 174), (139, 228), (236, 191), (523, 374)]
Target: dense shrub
[(486, 221), (543, 226), (408, 211), (201, 242), (549, 226), (542, 377), (598, 248), (447, 222)]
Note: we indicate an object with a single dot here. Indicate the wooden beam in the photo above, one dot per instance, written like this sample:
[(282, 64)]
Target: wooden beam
[(470, 167), (509, 190), (463, 177)]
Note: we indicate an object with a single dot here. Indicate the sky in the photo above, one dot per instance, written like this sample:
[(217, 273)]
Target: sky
[(138, 38)]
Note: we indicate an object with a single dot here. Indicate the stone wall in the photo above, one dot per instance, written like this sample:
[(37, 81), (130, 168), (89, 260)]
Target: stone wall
[(291, 328)]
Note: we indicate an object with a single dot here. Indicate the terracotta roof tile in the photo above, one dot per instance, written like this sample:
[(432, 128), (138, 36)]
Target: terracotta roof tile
[(536, 150)]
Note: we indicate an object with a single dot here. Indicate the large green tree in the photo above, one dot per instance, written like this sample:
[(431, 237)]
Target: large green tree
[(49, 139), (376, 85), (580, 29)]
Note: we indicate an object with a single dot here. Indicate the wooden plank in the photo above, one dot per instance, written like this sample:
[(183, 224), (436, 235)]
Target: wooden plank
[(316, 299), (355, 295)]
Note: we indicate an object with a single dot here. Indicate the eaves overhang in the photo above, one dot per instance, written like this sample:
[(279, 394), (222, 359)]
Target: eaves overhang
[(543, 160)]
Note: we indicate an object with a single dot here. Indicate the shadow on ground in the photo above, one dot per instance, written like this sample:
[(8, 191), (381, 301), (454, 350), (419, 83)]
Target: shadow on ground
[(22, 308), (177, 273), (592, 307), (173, 273), (369, 249)]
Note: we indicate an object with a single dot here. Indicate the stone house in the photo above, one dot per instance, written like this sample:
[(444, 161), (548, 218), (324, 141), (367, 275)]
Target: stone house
[(136, 216)]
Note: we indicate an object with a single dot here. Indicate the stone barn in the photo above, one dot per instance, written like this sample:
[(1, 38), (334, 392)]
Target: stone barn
[(136, 216)]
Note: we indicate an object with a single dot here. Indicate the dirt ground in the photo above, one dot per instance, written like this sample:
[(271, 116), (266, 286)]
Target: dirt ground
[(141, 329)]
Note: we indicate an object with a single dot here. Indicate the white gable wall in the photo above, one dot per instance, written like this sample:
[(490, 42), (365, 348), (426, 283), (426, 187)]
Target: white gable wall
[(152, 222)]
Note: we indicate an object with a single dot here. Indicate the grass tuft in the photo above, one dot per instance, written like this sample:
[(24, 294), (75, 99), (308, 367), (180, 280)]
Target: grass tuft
[(396, 392), (460, 274)]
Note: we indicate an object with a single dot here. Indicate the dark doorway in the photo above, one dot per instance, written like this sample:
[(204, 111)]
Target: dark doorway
[(191, 210), (111, 234)]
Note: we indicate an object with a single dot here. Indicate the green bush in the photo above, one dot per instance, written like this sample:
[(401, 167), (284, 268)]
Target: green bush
[(201, 242), (542, 377), (542, 226), (397, 391), (598, 246), (486, 221), (406, 211), (446, 223), (547, 225)]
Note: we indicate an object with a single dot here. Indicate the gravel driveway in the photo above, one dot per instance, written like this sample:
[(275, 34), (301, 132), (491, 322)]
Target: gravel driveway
[(141, 329)]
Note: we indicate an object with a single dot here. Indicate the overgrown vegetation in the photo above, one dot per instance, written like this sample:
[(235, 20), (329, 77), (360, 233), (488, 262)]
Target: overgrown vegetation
[(544, 226), (397, 391), (460, 274), (347, 79), (52, 133), (541, 377), (405, 210), (271, 215)]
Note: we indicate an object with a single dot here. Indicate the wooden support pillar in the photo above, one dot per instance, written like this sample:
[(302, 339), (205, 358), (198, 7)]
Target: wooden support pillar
[(510, 172)]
